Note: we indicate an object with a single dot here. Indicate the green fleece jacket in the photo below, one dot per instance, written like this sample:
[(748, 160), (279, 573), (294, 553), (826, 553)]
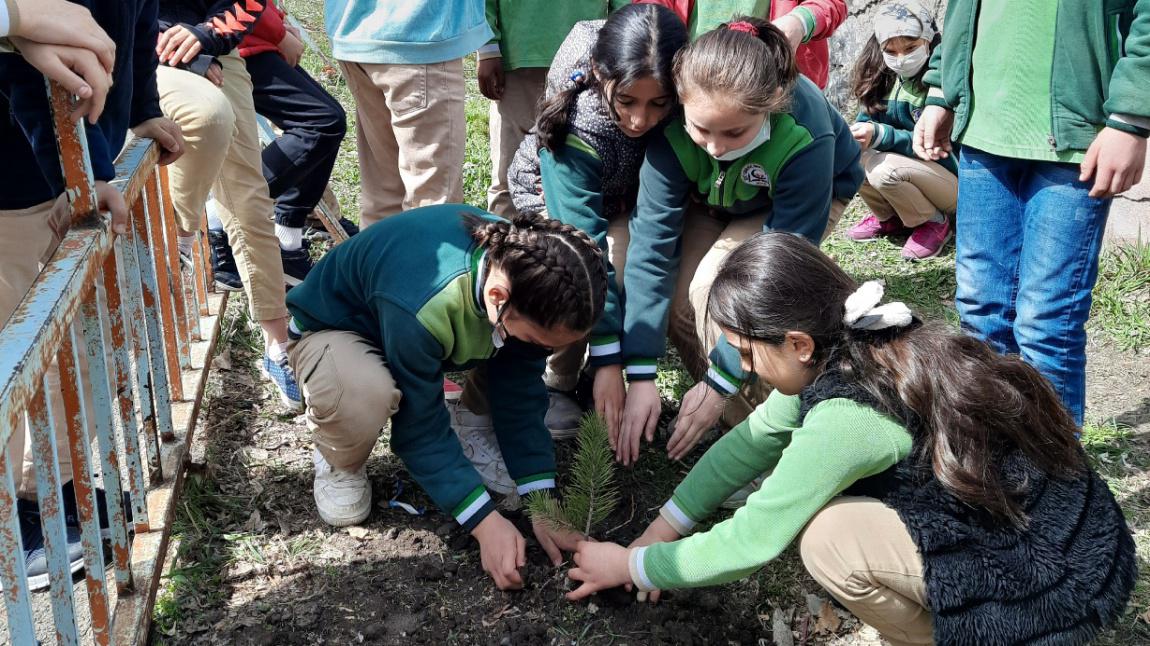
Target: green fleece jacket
[(809, 160), (1099, 74), (529, 32), (813, 459), (412, 285)]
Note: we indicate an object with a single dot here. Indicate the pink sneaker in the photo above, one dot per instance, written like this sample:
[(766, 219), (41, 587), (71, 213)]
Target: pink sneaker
[(927, 240), (871, 228), (451, 390)]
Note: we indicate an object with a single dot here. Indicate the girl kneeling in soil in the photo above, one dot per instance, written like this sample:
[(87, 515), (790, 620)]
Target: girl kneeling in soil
[(758, 147), (905, 194), (609, 86), (382, 316), (943, 493)]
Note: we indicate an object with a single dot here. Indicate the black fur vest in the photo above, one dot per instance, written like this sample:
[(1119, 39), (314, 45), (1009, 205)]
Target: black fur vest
[(1059, 581)]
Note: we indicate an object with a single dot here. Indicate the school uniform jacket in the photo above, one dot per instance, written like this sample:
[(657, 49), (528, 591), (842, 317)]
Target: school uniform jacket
[(809, 161), (411, 284)]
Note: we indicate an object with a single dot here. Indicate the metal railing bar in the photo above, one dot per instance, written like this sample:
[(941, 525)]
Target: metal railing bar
[(157, 262), (111, 342), (13, 575), (78, 419), (167, 218), (47, 467)]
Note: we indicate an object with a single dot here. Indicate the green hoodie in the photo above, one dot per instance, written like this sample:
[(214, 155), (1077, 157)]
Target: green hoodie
[(1099, 68)]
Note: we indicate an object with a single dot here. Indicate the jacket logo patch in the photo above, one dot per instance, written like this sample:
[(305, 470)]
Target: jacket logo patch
[(754, 175)]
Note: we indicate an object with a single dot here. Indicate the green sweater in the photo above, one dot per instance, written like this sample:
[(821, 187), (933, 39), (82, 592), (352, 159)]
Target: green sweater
[(529, 32), (814, 459), (894, 128), (1097, 73), (810, 160), (412, 285)]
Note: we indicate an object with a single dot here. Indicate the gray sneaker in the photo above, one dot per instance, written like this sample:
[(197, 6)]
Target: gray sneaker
[(563, 415), (477, 437)]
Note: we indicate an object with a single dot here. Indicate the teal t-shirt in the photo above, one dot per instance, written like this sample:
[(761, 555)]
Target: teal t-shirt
[(1010, 112)]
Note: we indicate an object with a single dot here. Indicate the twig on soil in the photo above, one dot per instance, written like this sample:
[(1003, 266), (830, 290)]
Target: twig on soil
[(626, 522)]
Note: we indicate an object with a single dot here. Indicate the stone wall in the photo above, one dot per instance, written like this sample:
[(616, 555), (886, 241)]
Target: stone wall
[(848, 41)]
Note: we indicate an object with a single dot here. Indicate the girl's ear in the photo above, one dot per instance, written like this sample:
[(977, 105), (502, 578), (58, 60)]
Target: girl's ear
[(497, 293), (801, 344)]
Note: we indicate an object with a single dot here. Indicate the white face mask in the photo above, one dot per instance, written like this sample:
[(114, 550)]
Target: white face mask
[(907, 65), (763, 135)]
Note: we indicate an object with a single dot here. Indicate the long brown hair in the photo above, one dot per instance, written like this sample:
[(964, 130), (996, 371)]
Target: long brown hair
[(755, 73), (557, 274), (872, 80), (636, 42), (968, 405)]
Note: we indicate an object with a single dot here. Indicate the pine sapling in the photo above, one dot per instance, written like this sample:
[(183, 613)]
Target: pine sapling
[(592, 494)]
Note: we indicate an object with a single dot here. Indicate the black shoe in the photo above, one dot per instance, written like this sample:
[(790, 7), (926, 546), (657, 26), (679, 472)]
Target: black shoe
[(35, 556), (296, 263), (223, 262), (316, 232), (349, 227), (72, 513)]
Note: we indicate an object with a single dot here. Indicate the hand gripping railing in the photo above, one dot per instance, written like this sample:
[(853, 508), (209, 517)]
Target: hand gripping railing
[(122, 307)]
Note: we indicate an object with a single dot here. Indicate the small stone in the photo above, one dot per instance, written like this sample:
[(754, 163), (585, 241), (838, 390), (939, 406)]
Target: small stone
[(391, 533), (781, 629)]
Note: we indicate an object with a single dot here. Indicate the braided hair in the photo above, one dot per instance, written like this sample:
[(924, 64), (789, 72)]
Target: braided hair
[(558, 276)]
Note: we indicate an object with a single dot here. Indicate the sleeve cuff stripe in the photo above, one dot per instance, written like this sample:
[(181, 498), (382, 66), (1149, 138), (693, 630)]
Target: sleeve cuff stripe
[(809, 22), (613, 347), (492, 48), (639, 571), (723, 382), (641, 369), (535, 485), (473, 507), (675, 516), (1133, 120)]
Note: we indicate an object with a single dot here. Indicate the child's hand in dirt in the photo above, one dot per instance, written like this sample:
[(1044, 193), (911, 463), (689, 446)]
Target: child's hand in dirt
[(555, 541), (659, 531), (598, 566), (701, 408), (640, 417), (502, 550), (1115, 160), (610, 393)]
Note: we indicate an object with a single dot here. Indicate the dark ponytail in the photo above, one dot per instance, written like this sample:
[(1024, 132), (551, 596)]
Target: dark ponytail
[(558, 275), (754, 71), (872, 80), (636, 42), (968, 405)]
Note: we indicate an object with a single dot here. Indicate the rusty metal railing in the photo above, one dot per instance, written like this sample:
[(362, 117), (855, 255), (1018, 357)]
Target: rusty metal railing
[(122, 307)]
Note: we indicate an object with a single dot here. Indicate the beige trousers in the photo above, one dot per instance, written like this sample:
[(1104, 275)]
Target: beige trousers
[(509, 119), (859, 550), (707, 238), (563, 366), (331, 365), (222, 155), (410, 127), (30, 237), (906, 187)]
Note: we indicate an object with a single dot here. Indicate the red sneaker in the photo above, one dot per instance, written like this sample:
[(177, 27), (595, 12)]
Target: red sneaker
[(927, 240), (871, 228)]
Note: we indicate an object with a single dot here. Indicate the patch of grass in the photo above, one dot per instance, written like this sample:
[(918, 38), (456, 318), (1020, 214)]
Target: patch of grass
[(1121, 307)]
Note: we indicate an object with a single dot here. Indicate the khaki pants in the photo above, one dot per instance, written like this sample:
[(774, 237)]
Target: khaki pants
[(509, 120), (563, 366), (859, 550), (349, 393), (222, 154), (707, 238), (906, 187), (30, 237), (410, 127)]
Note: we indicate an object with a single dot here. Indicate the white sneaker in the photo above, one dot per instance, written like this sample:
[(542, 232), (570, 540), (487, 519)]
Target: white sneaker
[(342, 497), (477, 437), (563, 415), (739, 498)]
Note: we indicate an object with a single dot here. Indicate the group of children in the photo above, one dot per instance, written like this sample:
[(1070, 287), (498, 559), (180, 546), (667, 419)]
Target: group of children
[(674, 182)]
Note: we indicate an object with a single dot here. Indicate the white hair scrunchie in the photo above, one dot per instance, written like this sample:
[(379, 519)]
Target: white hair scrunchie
[(863, 311)]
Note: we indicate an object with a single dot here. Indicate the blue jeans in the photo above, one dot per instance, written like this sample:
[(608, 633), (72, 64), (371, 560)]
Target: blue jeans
[(1027, 242)]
